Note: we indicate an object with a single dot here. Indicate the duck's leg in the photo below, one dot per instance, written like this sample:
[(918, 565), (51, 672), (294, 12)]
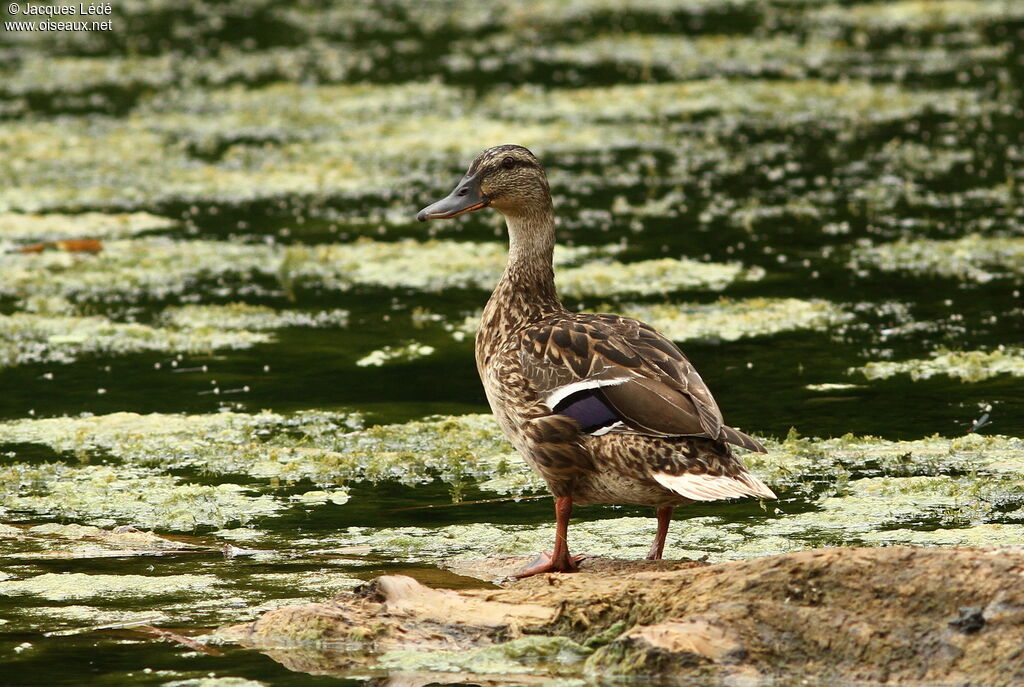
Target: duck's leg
[(559, 560), (658, 546)]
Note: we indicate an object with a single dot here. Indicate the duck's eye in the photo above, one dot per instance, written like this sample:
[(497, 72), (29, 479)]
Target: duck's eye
[(508, 163)]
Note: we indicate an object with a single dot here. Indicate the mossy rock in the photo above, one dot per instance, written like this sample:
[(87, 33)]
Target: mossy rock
[(884, 614)]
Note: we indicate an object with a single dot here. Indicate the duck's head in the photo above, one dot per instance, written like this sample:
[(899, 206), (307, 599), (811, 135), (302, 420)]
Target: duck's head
[(508, 178)]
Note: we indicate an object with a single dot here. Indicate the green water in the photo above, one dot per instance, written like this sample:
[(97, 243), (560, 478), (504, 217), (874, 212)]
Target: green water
[(834, 151)]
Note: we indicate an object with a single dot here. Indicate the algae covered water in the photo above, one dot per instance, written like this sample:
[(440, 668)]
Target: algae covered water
[(251, 383)]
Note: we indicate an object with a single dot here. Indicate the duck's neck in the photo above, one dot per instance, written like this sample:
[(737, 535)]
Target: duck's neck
[(526, 291), (529, 271)]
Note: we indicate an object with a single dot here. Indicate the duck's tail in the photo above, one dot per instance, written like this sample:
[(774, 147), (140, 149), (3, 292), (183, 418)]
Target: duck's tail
[(706, 487), (735, 436)]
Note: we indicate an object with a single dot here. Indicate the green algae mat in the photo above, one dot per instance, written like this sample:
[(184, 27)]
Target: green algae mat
[(237, 374)]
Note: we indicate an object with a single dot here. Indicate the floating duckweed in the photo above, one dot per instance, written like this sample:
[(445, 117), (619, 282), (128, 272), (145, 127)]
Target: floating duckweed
[(233, 145), (77, 83), (84, 541), (967, 366), (831, 386), (287, 107), (878, 501), (919, 15), (651, 277), (94, 225), (822, 100), (984, 535), (682, 57), (903, 157), (145, 438), (65, 586), (616, 537), (894, 199), (801, 463), (90, 617), (318, 582), (242, 316), (431, 265), (545, 16), (730, 320), (338, 497), (156, 268), (246, 144), (464, 451), (38, 74), (752, 214), (971, 258), (133, 269), (318, 446), (848, 516), (512, 481), (48, 305), (391, 354), (29, 338), (106, 495), (459, 448), (221, 442), (239, 534), (215, 682), (668, 205), (627, 538), (867, 508)]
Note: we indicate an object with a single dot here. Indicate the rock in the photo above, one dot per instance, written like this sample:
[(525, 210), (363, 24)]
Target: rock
[(703, 637), (503, 567), (393, 612), (873, 614)]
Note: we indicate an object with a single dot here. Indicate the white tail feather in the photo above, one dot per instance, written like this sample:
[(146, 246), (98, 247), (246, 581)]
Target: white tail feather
[(561, 392), (714, 487), (605, 430)]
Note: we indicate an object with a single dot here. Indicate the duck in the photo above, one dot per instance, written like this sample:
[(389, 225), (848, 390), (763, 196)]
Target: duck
[(603, 407)]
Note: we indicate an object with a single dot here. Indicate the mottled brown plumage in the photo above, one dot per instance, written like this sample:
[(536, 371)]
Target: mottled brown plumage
[(603, 407)]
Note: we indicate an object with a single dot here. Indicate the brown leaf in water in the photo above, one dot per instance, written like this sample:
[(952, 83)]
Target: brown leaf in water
[(68, 245), (80, 245)]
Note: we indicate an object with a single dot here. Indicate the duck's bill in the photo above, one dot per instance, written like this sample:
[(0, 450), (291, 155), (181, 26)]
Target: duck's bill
[(466, 197)]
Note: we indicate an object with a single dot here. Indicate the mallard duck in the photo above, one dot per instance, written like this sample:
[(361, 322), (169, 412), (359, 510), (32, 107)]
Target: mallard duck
[(603, 407)]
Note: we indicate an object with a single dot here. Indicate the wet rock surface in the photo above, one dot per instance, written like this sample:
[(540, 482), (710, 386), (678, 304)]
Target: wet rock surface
[(895, 615)]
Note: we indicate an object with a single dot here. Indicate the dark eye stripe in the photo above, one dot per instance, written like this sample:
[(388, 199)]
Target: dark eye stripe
[(512, 163)]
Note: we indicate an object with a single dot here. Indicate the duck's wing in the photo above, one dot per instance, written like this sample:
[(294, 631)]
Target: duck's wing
[(614, 373)]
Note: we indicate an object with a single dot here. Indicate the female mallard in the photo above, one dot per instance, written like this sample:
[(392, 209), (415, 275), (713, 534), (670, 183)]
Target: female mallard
[(604, 407)]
